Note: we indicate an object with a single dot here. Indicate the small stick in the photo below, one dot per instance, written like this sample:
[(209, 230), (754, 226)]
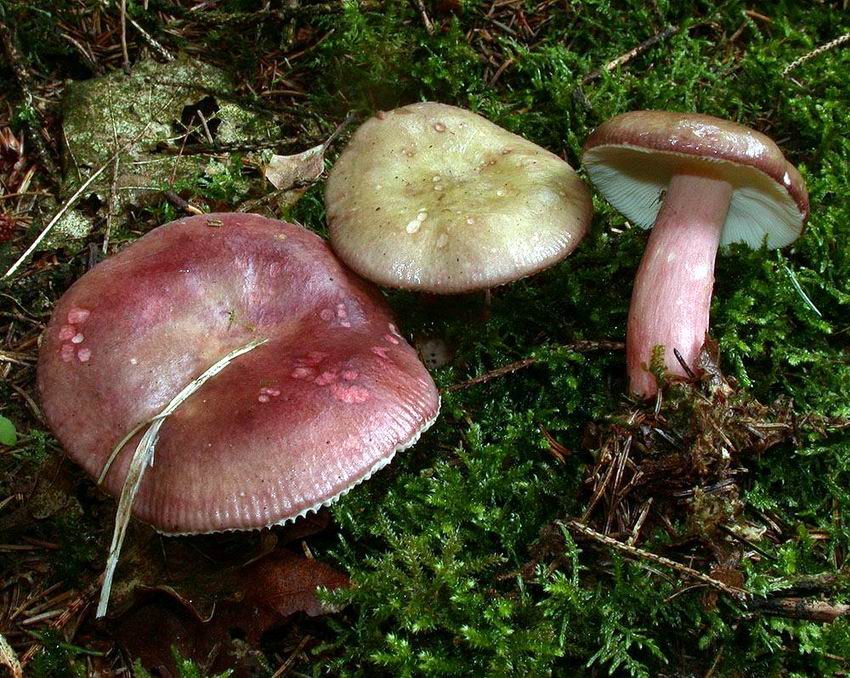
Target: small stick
[(154, 45), (16, 62), (110, 208), (645, 46), (206, 128), (578, 346), (70, 201), (73, 199), (124, 51), (821, 611), (641, 554), (492, 374), (182, 204), (832, 44), (292, 657), (420, 5)]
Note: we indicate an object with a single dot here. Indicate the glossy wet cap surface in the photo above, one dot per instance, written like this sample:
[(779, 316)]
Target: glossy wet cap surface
[(632, 157), (283, 429), (435, 198)]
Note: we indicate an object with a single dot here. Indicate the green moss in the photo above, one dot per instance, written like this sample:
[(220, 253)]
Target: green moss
[(444, 547), (435, 545)]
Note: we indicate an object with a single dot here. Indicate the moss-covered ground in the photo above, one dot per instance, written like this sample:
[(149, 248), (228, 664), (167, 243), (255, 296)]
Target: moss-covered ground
[(461, 554)]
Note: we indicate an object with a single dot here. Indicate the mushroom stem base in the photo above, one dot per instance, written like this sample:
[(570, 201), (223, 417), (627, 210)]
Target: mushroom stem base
[(671, 299)]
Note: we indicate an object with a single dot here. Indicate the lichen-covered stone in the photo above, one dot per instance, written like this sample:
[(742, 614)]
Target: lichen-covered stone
[(139, 114)]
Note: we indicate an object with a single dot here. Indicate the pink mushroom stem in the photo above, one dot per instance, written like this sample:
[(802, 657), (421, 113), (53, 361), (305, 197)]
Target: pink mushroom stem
[(671, 298)]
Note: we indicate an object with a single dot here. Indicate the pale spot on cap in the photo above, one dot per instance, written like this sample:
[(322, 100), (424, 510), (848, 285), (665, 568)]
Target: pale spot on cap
[(78, 315), (263, 398), (302, 373), (67, 332), (350, 375), (77, 338), (439, 127), (381, 352), (350, 394), (391, 339), (67, 352), (84, 354), (326, 314), (325, 378)]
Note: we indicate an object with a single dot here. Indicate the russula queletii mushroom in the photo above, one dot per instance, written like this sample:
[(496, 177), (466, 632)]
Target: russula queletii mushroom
[(699, 182), (285, 428), (437, 199)]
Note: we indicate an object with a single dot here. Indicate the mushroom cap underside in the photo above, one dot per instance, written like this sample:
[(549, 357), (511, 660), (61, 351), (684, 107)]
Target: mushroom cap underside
[(632, 157)]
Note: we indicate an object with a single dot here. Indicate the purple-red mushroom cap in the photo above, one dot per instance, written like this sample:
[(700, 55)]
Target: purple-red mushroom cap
[(434, 198), (699, 182), (284, 429), (632, 157)]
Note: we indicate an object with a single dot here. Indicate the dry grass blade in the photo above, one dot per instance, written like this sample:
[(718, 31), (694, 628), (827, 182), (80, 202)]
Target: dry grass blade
[(9, 659), (143, 458)]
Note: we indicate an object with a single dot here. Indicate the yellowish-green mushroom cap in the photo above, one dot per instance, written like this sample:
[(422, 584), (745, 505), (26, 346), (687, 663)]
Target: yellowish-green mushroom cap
[(435, 198)]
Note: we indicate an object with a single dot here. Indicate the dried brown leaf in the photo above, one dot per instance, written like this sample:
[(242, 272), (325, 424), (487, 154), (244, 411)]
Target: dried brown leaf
[(243, 604), (289, 172)]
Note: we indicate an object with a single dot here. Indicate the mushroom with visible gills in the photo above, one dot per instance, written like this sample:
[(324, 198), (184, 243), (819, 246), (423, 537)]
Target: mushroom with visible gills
[(699, 182), (437, 199), (284, 429)]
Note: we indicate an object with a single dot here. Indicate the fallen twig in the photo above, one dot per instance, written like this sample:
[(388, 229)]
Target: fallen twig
[(124, 52), (429, 26), (22, 76), (832, 44), (641, 554), (152, 43), (73, 199), (579, 346), (643, 47), (821, 611)]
